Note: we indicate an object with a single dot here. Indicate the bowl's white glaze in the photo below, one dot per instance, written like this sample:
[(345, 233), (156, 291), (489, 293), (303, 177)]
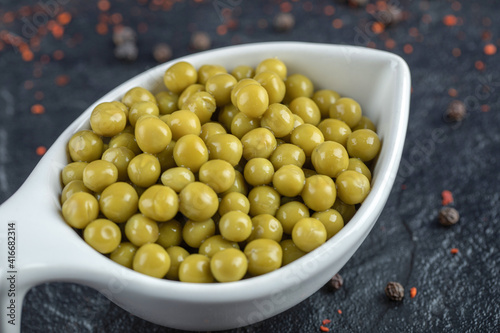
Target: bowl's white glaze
[(49, 250)]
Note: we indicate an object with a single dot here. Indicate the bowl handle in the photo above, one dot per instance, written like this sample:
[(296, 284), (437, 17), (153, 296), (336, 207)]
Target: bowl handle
[(36, 246)]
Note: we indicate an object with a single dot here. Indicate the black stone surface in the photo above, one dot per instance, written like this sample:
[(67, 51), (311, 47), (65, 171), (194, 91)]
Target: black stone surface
[(455, 292)]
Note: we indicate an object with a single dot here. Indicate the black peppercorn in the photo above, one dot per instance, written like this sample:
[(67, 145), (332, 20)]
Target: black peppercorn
[(283, 22), (456, 111), (124, 35), (395, 291), (126, 51), (201, 41), (391, 15), (356, 3), (336, 282), (162, 52), (448, 216)]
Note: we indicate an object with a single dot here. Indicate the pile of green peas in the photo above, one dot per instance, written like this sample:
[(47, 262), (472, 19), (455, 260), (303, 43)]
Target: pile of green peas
[(222, 176)]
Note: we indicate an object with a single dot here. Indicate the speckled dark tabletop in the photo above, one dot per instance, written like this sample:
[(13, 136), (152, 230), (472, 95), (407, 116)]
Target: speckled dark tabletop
[(62, 61)]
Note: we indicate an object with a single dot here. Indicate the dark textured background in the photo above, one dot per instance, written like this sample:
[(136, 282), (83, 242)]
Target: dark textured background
[(456, 292)]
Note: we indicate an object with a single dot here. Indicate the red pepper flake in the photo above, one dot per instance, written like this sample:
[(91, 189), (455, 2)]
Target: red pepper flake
[(329, 10), (456, 52), (377, 28), (413, 292), (408, 49), (381, 5), (403, 187), (101, 28), (339, 311), (286, 7), (413, 32), (62, 80), (337, 23), (490, 49), (390, 44), (450, 20), (456, 6), (226, 13), (27, 55), (232, 24), (58, 55), (41, 150), (221, 30), (64, 18), (307, 6), (426, 18), (324, 329), (447, 197), (116, 18), (326, 321), (103, 5), (8, 17), (485, 108), (45, 59), (37, 109), (479, 65), (370, 8), (25, 11), (39, 95), (454, 250), (452, 92), (486, 35)]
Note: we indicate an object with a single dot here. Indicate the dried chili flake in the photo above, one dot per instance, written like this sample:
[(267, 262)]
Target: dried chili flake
[(485, 108), (58, 55), (103, 5), (337, 23), (447, 198), (62, 80), (221, 30), (41, 150), (37, 109), (408, 48), (454, 250), (64, 18), (286, 7), (324, 328), (413, 292), (450, 20), (326, 321), (378, 28), (390, 44), (329, 10), (479, 65), (27, 55), (490, 49)]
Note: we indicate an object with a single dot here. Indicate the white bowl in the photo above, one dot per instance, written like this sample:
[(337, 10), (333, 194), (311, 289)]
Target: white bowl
[(47, 249)]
